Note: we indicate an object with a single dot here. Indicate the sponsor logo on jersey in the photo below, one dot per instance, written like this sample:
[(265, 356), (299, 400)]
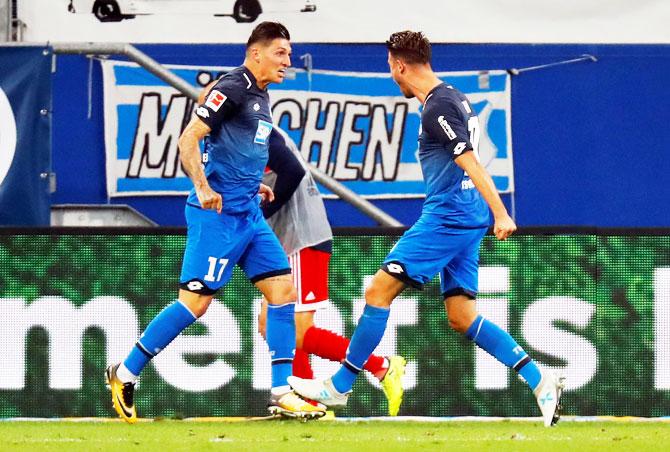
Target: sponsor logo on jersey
[(215, 100), (263, 132), (459, 148), (202, 112), (256, 107), (446, 127)]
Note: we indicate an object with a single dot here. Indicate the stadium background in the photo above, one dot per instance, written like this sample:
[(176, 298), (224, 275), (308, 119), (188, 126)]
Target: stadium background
[(590, 142), (603, 121)]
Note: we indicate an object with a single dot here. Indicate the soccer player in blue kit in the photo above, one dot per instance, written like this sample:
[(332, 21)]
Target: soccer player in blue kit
[(444, 240), (226, 224)]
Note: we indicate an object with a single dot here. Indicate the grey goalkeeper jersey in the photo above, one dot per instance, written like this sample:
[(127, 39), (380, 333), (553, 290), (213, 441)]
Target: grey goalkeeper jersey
[(301, 221)]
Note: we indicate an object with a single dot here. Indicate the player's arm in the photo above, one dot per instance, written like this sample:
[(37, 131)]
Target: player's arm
[(189, 155), (504, 226), (289, 173), (444, 122), (215, 105)]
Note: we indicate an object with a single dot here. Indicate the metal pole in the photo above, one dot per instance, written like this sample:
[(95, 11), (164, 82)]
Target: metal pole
[(352, 198), (134, 55), (159, 71), (187, 89), (585, 57)]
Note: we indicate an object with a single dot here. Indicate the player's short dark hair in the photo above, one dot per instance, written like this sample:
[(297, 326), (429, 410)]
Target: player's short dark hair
[(265, 32), (410, 46)]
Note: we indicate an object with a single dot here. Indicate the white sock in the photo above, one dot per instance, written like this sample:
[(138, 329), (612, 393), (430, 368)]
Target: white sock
[(125, 375), (280, 390)]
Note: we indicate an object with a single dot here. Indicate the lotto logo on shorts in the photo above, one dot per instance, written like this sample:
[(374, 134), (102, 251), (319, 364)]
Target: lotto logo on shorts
[(215, 100), (194, 285), (395, 268), (263, 132)]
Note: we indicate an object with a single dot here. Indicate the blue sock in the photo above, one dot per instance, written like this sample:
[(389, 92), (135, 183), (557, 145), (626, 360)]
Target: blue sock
[(499, 344), (367, 336), (159, 333), (280, 336)]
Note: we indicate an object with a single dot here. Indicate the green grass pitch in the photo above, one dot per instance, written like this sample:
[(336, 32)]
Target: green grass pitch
[(279, 435)]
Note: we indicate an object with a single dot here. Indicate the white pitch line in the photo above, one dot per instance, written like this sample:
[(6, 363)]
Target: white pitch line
[(231, 419)]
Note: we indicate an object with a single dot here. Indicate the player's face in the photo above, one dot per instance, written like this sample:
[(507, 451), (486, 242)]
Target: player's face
[(397, 74), (274, 59)]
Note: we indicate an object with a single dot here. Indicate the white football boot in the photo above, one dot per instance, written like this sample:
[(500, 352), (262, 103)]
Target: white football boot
[(548, 395), (321, 391)]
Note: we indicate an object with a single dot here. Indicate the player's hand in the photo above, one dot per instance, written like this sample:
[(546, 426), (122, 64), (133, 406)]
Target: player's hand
[(266, 194), (504, 227), (209, 199)]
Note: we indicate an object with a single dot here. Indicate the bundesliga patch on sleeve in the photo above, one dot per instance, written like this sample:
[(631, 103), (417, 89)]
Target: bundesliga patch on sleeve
[(215, 100), (263, 132)]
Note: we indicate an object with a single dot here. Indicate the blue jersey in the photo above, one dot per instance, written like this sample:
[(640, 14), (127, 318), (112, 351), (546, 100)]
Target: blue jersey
[(449, 127), (236, 150)]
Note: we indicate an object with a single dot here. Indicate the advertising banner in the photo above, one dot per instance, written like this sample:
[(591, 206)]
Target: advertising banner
[(25, 135), (356, 127), (594, 308)]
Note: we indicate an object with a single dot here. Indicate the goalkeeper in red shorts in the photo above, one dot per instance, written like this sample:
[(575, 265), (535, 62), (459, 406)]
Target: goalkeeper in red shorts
[(298, 217)]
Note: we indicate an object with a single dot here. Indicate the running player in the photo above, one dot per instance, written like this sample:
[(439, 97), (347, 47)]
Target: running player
[(225, 222), (298, 217), (444, 240)]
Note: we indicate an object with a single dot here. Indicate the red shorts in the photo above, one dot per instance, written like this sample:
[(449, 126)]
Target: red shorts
[(310, 276)]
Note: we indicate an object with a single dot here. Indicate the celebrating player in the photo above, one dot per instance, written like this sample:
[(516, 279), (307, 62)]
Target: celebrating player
[(298, 217), (225, 222), (444, 240)]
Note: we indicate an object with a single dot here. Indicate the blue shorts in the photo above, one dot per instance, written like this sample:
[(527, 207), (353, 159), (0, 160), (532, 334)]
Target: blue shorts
[(428, 248), (216, 242)]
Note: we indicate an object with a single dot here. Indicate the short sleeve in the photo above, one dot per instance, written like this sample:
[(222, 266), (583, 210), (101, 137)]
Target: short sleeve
[(446, 124), (221, 101)]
